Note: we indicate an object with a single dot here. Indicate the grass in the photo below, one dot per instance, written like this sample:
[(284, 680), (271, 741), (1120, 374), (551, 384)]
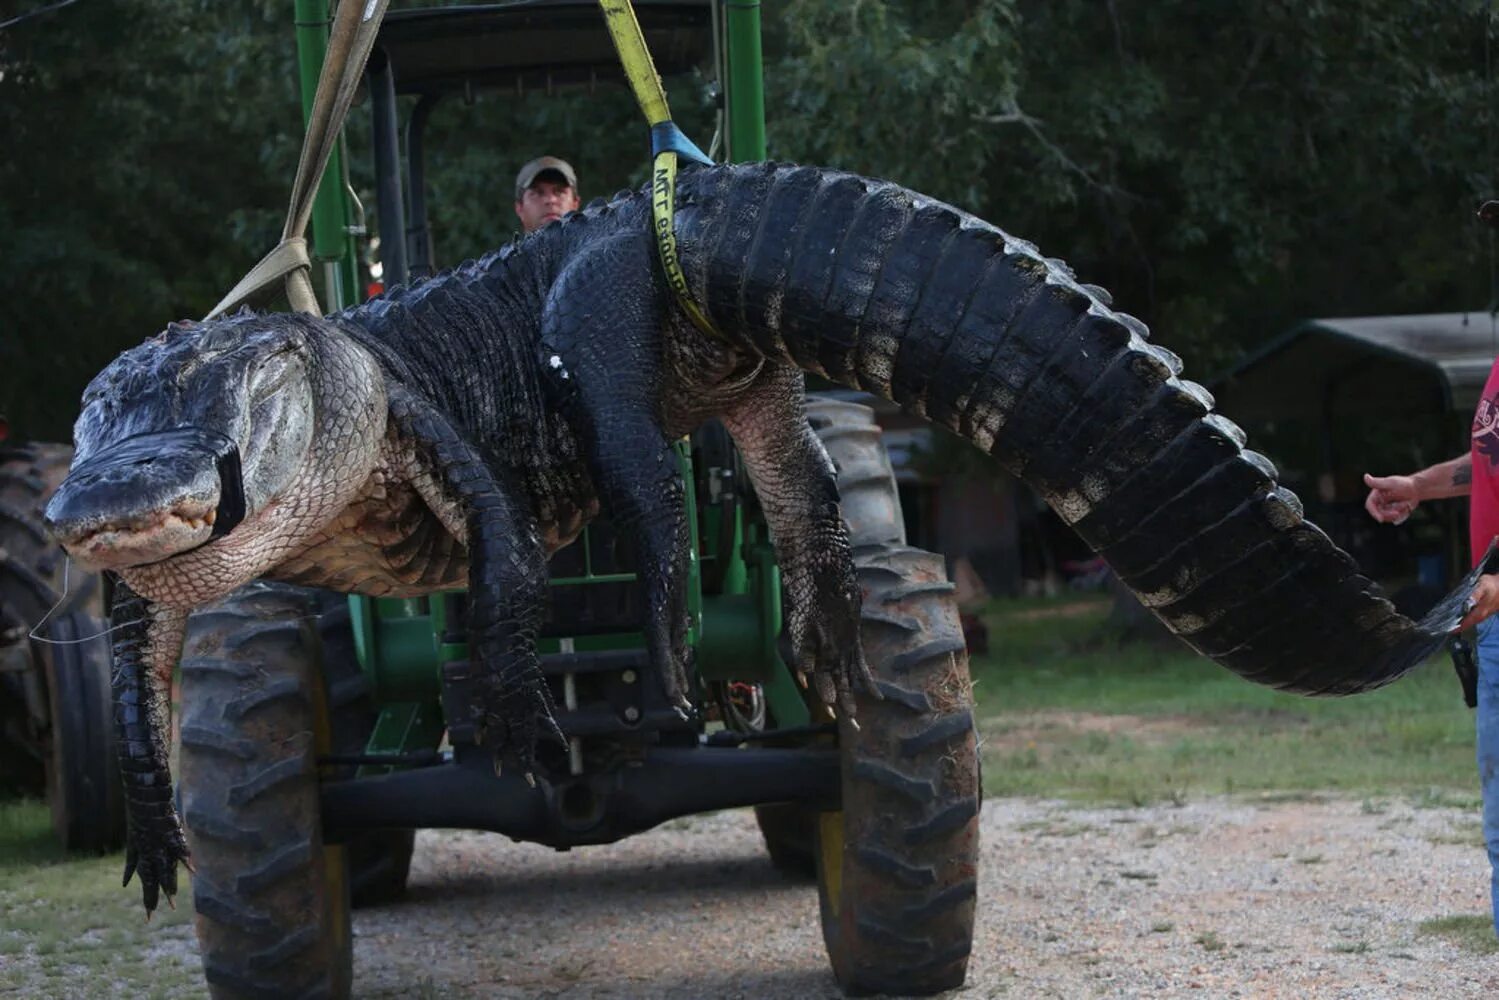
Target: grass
[(1471, 933), (1067, 711), (1210, 941), (1064, 710), (70, 930), (1466, 834)]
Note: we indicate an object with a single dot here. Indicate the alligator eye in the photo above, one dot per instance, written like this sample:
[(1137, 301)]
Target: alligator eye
[(272, 372)]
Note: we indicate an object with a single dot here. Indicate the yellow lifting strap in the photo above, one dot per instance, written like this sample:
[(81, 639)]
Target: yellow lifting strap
[(667, 143)]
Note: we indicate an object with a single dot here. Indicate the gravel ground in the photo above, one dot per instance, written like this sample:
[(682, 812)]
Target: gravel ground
[(1211, 899)]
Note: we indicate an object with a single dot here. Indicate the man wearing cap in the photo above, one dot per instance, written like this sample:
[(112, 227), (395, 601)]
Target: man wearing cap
[(546, 189)]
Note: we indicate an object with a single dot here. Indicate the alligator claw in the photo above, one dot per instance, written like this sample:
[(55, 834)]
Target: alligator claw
[(674, 673), (826, 653), (154, 858), (499, 770), (515, 720)]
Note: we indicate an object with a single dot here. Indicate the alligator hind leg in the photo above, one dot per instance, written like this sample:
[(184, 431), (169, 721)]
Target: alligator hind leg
[(798, 490)]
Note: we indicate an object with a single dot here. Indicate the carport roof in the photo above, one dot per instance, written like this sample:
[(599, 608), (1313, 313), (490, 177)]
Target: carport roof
[(1395, 363), (535, 45)]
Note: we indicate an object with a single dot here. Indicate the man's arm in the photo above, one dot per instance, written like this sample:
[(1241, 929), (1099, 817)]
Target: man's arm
[(1392, 498)]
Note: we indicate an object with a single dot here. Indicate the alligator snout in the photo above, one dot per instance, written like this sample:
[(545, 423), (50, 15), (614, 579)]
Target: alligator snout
[(148, 498)]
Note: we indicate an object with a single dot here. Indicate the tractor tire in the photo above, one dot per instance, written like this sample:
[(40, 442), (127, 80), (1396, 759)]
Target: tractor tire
[(379, 865), (790, 833), (29, 473), (866, 483), (62, 703), (272, 899), (31, 572), (870, 503), (380, 860), (84, 791), (897, 866)]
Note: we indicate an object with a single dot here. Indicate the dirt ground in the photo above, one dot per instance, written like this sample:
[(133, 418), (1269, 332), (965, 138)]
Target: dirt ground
[(1209, 899)]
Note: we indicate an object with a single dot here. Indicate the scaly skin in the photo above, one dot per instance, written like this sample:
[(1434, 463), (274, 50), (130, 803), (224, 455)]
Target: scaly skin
[(147, 640), (462, 429)]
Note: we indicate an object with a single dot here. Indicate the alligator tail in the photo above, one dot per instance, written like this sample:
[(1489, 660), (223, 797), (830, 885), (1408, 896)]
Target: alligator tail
[(882, 289)]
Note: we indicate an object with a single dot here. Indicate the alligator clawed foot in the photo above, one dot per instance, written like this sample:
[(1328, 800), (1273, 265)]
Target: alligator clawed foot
[(674, 668), (153, 855), (826, 653), (515, 719), (499, 769)]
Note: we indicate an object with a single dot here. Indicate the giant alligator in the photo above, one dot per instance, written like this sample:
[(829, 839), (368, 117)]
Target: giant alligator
[(461, 429)]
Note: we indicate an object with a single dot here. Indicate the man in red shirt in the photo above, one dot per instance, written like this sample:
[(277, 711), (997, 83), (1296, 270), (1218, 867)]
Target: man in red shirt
[(1476, 476)]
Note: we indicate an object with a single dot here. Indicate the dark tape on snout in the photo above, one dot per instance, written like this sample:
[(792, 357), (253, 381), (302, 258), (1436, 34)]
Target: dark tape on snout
[(231, 508)]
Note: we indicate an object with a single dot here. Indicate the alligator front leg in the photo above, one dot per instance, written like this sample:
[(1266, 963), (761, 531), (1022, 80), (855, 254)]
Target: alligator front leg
[(640, 483), (798, 490), (147, 644), (506, 578), (602, 357)]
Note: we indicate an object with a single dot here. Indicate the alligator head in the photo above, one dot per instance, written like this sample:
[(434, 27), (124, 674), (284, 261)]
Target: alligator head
[(187, 444)]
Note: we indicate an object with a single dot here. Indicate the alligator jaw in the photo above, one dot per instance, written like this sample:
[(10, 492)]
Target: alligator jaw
[(188, 491), (150, 538)]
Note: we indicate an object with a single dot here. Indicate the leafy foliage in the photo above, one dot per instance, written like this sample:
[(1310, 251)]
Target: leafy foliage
[(1224, 168), (146, 159)]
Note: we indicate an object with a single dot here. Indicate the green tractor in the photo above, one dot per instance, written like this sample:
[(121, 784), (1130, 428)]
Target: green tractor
[(318, 731)]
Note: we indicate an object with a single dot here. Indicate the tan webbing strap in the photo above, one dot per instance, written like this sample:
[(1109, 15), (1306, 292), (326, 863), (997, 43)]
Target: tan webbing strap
[(287, 260), (353, 36)]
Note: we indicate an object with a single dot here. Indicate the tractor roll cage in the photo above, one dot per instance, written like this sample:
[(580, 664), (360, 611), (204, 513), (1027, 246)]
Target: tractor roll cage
[(526, 47)]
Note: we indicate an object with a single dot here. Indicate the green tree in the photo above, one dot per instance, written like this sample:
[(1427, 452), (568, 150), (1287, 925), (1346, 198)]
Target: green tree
[(146, 166), (1224, 168)]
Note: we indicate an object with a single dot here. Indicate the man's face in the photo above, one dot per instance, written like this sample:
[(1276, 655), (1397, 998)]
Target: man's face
[(547, 199)]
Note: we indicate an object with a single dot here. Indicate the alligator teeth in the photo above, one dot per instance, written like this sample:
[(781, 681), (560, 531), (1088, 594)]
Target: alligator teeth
[(198, 522)]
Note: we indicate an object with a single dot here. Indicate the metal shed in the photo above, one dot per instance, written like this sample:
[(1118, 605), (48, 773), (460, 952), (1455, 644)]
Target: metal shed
[(1331, 399), (1350, 366)]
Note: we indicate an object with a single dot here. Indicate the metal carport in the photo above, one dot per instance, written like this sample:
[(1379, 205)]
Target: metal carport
[(1404, 364), (1330, 399)]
